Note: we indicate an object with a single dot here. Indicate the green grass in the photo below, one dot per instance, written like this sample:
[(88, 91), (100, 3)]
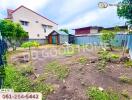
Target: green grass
[(69, 53), (95, 94), (15, 80), (125, 79), (26, 70), (82, 60), (57, 69), (128, 64)]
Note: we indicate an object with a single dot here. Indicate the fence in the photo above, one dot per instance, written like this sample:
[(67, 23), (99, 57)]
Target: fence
[(120, 40), (3, 49)]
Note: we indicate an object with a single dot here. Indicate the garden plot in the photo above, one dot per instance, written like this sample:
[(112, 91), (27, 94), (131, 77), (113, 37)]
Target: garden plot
[(78, 75)]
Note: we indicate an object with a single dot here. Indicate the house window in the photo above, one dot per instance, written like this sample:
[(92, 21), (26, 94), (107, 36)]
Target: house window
[(38, 35), (37, 21), (46, 27), (49, 27), (24, 23)]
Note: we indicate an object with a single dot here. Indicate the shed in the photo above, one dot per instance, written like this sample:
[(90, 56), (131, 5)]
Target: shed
[(58, 37)]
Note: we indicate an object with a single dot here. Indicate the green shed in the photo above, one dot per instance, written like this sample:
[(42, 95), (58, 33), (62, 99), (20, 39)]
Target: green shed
[(58, 37)]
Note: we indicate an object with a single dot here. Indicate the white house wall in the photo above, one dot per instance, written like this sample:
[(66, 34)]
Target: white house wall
[(33, 28)]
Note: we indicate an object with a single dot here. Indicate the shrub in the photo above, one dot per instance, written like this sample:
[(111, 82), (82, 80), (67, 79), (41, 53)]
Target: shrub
[(107, 37), (26, 70), (125, 79), (101, 65), (82, 60), (95, 94), (114, 56), (30, 44), (125, 94), (128, 64), (107, 56), (55, 68)]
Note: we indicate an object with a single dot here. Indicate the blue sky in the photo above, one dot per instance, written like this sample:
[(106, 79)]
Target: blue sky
[(69, 13)]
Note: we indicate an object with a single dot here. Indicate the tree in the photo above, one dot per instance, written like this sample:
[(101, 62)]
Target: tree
[(12, 32), (125, 10), (30, 44), (107, 37), (65, 30)]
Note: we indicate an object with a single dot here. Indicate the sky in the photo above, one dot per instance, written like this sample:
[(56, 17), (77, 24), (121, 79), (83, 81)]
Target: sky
[(69, 14)]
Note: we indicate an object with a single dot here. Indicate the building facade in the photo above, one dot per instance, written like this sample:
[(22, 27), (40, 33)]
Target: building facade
[(87, 30), (37, 26)]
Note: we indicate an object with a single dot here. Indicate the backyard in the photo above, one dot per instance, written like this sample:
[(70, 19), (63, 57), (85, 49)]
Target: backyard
[(72, 73)]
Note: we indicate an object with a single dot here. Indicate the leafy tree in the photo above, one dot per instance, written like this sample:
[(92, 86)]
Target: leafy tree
[(65, 30), (107, 37), (12, 32), (30, 44), (125, 10)]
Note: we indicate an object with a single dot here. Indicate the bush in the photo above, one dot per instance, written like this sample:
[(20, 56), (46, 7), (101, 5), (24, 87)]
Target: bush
[(125, 79), (107, 56), (95, 94), (26, 70), (128, 64), (82, 60)]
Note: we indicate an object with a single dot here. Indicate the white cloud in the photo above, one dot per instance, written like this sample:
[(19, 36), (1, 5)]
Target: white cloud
[(33, 4), (93, 17), (71, 7)]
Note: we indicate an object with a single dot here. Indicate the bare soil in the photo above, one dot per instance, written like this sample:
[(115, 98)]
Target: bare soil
[(82, 76)]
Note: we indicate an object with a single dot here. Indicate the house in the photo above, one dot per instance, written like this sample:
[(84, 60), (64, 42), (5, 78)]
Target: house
[(87, 30), (92, 30), (58, 37), (37, 26)]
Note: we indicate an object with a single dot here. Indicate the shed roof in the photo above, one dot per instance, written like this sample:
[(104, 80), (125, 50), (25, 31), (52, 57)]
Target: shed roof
[(59, 32)]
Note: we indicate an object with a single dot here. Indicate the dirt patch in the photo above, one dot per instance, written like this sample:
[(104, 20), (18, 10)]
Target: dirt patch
[(81, 76)]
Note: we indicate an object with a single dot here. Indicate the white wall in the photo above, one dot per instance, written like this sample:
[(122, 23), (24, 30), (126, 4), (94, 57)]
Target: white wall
[(33, 28), (93, 31)]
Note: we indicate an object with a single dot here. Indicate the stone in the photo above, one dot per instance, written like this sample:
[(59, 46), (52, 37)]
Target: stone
[(101, 89)]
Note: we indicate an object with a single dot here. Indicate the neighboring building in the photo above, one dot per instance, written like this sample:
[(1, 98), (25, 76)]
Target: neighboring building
[(93, 30), (87, 30), (37, 26), (122, 29), (58, 37)]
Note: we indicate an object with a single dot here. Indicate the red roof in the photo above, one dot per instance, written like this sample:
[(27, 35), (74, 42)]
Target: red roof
[(12, 11)]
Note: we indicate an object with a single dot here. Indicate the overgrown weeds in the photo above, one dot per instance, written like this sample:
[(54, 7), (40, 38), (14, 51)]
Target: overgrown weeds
[(15, 80), (82, 60), (57, 69), (125, 79), (128, 64), (104, 58), (95, 93)]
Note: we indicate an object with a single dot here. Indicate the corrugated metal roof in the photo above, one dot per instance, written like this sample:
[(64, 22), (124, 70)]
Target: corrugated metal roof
[(61, 32)]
